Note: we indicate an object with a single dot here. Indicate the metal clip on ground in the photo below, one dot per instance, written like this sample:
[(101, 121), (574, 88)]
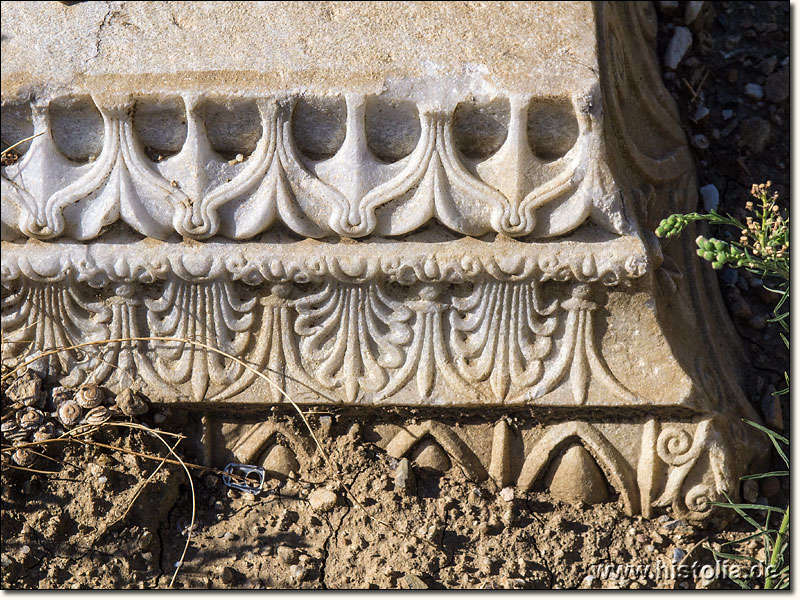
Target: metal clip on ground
[(244, 472)]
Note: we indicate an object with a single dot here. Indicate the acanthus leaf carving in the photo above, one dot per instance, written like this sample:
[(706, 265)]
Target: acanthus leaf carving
[(350, 335), (210, 313), (504, 335), (41, 317)]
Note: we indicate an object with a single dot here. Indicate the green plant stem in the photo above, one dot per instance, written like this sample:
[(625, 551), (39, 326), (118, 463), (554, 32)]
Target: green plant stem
[(777, 549)]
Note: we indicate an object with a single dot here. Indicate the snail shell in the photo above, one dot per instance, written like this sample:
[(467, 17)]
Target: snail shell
[(24, 457), (30, 418), (97, 415), (70, 413), (8, 426), (89, 396), (60, 395), (17, 435), (45, 432)]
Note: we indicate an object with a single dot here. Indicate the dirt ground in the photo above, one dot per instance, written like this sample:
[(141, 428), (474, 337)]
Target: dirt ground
[(80, 524)]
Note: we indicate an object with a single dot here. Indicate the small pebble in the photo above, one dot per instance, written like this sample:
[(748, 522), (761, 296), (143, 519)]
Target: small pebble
[(754, 91), (710, 195), (507, 494), (772, 411), (701, 113), (750, 491), (678, 554), (25, 549), (297, 572), (226, 575), (159, 418), (229, 537), (678, 46), (727, 114), (693, 9), (322, 500), (404, 480), (767, 66)]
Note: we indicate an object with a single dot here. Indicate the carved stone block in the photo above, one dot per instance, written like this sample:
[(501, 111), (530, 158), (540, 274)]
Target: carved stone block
[(381, 206)]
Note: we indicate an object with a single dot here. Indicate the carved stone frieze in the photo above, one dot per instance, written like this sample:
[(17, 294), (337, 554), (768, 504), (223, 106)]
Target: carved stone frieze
[(404, 207)]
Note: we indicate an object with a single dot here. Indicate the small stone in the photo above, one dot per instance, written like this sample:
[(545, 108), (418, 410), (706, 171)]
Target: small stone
[(507, 494), (642, 538), (298, 572), (678, 554), (678, 46), (25, 550), (226, 575), (693, 9), (770, 486), (776, 87), (767, 66), (159, 418), (772, 411), (710, 195), (750, 491), (322, 500), (701, 113), (754, 134), (280, 462), (404, 480), (727, 114), (228, 536), (754, 91), (414, 582), (130, 404), (287, 555)]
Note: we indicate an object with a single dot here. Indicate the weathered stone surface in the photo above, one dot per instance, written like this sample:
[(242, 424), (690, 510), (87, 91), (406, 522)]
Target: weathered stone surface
[(378, 206), (575, 477)]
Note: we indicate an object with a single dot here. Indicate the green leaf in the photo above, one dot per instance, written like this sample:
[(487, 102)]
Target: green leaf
[(764, 475)]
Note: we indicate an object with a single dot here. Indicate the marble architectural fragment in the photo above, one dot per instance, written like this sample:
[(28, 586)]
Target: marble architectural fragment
[(377, 206)]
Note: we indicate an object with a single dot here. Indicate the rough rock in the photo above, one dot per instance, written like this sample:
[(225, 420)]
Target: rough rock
[(130, 403), (678, 47), (404, 479), (322, 500)]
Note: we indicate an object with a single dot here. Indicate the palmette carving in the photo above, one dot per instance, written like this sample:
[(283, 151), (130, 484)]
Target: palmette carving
[(210, 314), (503, 336), (39, 317), (502, 342), (350, 335)]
